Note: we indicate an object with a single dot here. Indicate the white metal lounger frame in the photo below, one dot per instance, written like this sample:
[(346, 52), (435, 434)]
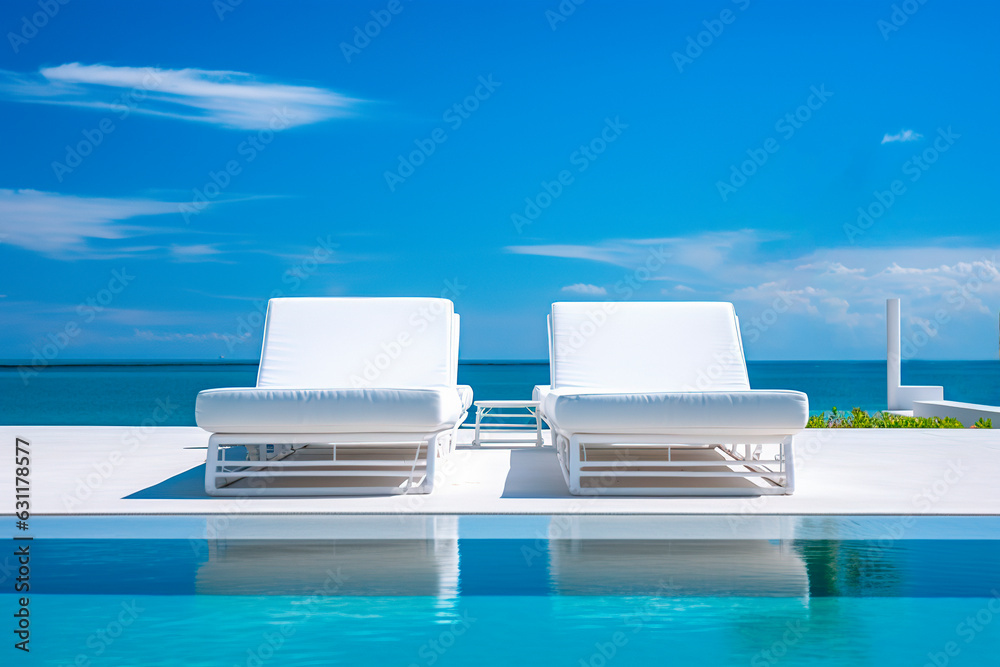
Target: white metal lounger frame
[(384, 459), (381, 458), (574, 451), (586, 456)]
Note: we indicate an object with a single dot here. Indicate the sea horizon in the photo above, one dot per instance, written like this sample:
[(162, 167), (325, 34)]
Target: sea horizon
[(124, 392), (97, 361)]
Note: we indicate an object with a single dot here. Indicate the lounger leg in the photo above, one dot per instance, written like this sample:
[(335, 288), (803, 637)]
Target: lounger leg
[(210, 462), (432, 454), (789, 457), (479, 421), (574, 480)]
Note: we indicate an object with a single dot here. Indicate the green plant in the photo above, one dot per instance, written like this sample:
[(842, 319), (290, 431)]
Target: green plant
[(983, 422), (858, 418)]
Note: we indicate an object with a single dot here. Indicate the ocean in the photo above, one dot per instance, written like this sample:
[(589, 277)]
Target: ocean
[(163, 393)]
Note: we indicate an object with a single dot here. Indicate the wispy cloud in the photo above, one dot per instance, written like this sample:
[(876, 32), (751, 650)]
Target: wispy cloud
[(198, 252), (704, 251), (176, 336), (230, 99), (585, 289), (904, 135), (61, 225)]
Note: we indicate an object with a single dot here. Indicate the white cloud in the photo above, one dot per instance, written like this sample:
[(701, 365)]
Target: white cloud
[(63, 225), (588, 290), (838, 311), (838, 294), (904, 135), (227, 98)]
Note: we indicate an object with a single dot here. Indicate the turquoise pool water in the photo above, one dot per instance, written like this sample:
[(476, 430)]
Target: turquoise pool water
[(126, 394), (596, 631), (515, 602)]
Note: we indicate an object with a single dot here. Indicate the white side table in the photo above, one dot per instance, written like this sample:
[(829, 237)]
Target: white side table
[(501, 413)]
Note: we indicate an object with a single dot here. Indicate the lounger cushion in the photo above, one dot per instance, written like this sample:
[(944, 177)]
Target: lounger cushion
[(320, 342), (294, 410), (776, 412), (647, 346), (540, 392), (465, 396)]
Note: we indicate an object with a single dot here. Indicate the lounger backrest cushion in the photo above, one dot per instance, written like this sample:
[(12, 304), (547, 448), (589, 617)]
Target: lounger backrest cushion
[(647, 346), (455, 331), (358, 342)]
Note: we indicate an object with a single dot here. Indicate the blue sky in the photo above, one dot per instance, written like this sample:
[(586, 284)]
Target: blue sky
[(168, 167)]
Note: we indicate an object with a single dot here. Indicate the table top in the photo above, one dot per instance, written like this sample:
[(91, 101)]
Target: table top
[(506, 404)]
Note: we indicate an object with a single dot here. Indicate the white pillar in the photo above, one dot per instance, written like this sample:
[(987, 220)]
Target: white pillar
[(893, 375), (897, 396)]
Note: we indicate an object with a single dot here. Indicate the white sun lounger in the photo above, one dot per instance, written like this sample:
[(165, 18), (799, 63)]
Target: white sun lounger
[(654, 399), (354, 396)]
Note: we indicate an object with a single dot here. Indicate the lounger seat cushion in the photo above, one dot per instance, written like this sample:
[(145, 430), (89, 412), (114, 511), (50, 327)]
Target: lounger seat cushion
[(775, 412), (292, 410)]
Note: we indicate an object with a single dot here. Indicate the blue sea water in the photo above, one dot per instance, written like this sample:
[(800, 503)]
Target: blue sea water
[(121, 393), (481, 602)]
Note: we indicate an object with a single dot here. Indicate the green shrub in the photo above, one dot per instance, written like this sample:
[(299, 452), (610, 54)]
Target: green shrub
[(858, 418), (983, 422)]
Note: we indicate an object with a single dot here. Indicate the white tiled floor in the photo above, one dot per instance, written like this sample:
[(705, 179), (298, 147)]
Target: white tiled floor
[(159, 471)]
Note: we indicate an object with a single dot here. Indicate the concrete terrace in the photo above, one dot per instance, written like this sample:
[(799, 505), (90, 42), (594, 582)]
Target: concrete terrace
[(129, 471)]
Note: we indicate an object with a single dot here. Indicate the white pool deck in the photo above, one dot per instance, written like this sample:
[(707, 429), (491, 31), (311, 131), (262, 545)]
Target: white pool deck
[(131, 471)]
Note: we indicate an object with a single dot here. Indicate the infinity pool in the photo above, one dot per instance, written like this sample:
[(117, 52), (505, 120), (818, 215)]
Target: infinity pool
[(513, 602)]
